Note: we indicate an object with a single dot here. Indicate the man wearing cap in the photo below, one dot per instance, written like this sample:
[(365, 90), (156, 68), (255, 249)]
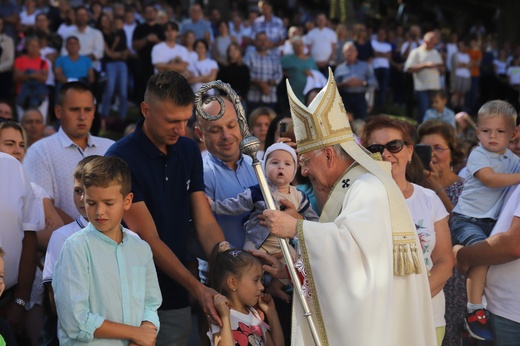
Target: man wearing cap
[(358, 293)]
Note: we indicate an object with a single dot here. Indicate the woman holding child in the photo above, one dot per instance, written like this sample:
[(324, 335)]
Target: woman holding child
[(391, 138)]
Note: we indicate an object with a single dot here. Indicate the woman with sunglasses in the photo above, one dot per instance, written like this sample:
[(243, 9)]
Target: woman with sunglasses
[(392, 139), (446, 153)]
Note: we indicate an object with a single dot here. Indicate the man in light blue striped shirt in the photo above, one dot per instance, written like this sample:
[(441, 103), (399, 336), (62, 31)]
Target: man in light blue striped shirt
[(265, 68)]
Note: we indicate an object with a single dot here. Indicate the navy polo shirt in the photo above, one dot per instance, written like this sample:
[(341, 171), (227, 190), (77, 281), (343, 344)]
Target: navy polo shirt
[(164, 183)]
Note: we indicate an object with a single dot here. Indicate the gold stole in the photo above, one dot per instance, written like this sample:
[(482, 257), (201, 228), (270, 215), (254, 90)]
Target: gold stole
[(330, 212), (406, 258), (334, 204)]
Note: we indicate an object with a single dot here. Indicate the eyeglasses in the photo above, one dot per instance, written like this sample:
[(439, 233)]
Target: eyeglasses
[(304, 161), (439, 149), (393, 147)]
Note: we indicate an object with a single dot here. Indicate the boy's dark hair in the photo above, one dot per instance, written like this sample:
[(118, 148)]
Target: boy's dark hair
[(171, 86), (106, 171), (172, 25), (40, 14), (76, 85), (2, 252), (228, 262), (438, 93), (82, 7), (201, 41), (72, 37), (78, 171)]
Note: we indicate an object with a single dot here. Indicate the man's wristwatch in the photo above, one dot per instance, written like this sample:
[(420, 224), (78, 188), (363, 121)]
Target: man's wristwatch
[(23, 303)]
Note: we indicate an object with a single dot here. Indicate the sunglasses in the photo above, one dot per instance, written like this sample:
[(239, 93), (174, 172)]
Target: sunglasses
[(5, 120), (393, 147)]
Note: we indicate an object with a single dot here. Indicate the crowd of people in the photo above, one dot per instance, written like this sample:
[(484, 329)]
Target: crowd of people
[(116, 47), (190, 202)]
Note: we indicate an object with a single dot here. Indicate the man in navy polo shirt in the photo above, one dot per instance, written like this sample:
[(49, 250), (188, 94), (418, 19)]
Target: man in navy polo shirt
[(168, 187)]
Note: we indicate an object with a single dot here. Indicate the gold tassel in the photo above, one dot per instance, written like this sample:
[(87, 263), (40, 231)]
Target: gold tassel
[(408, 265), (406, 257), (401, 261), (415, 258), (396, 249)]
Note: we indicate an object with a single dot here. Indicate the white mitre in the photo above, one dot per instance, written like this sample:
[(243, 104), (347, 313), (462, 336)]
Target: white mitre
[(325, 123)]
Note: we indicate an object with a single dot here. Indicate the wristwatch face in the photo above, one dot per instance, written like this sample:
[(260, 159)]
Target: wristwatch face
[(21, 302)]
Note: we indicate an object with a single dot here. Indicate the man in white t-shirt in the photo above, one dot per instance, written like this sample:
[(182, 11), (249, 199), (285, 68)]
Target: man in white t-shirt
[(451, 50), (426, 65), (381, 64), (168, 55), (323, 43)]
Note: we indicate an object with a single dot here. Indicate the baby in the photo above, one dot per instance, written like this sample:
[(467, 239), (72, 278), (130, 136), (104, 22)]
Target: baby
[(280, 168)]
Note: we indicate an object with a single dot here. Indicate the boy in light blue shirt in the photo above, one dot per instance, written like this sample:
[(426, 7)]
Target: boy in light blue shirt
[(439, 111), (105, 284), (491, 170)]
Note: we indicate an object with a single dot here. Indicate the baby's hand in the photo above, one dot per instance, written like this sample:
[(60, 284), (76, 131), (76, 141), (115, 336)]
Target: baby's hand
[(221, 305), (266, 302), (210, 201)]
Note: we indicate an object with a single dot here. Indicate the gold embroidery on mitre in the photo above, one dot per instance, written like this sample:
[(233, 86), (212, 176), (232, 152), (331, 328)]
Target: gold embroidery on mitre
[(324, 123)]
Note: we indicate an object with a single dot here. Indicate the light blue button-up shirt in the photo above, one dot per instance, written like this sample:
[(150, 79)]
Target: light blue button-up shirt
[(223, 182), (96, 279), (447, 115)]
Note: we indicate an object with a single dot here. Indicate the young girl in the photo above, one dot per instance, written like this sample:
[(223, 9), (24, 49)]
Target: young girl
[(236, 275)]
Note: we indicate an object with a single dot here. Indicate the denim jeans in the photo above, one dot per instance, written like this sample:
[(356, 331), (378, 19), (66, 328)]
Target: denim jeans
[(506, 332), (467, 230), (383, 78), (117, 74), (423, 103), (471, 95), (355, 103)]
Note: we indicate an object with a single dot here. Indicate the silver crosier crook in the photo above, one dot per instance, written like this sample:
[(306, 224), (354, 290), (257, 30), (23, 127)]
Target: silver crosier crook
[(249, 146)]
